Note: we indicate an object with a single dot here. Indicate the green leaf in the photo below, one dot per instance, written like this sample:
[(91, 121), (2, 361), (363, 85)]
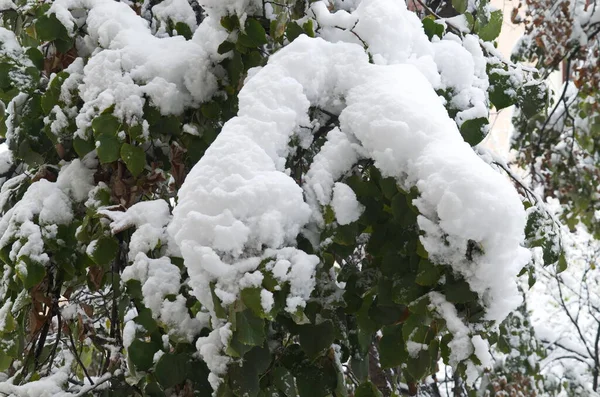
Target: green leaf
[(141, 354), (491, 30), (317, 380), (532, 98), (259, 357), (459, 292), (184, 30), (63, 46), (392, 350), (314, 339), (367, 389), (460, 5), (503, 345), (500, 89), (251, 298), (32, 273), (470, 20), (166, 126), (253, 59), (250, 329), (225, 47), (211, 110), (152, 389), (134, 158), (389, 187), (405, 290), (428, 274), (136, 133), (309, 28), (284, 381), (230, 22), (432, 28), (105, 124), (172, 369), (235, 67), (293, 30), (562, 263), (52, 94), (473, 131), (244, 42), (108, 148), (385, 314), (9, 323), (444, 348), (36, 56), (421, 251), (6, 361), (243, 380), (256, 32), (105, 250), (399, 207), (49, 28), (82, 146), (419, 367), (346, 234)]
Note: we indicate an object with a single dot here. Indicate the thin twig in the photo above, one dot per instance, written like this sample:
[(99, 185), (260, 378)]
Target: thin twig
[(78, 358)]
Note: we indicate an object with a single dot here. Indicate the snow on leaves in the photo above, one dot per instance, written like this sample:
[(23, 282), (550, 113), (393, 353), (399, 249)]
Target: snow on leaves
[(275, 186)]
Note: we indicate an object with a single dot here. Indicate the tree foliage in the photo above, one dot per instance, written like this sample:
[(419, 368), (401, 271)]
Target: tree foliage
[(126, 264)]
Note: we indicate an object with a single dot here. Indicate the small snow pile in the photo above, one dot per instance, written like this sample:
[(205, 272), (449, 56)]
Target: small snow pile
[(150, 219), (453, 65), (345, 205), (44, 205), (130, 63), (159, 279), (175, 11)]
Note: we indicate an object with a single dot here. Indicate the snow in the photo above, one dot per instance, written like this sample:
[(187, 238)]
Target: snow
[(7, 5), (4, 312), (159, 279), (346, 207), (150, 219), (175, 11), (211, 349), (266, 300), (9, 40), (49, 386), (154, 213), (336, 156), (219, 8), (129, 331), (395, 36)]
